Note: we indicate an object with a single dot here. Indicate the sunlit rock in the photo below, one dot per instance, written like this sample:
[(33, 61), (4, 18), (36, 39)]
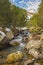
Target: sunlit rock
[(34, 53), (9, 34), (33, 44)]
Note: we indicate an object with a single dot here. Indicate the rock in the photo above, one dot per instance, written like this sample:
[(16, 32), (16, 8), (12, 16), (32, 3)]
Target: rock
[(30, 37), (28, 62), (4, 43), (36, 64), (3, 40), (34, 53), (36, 36), (33, 44), (42, 36), (9, 35), (2, 35), (15, 31), (41, 51), (25, 39), (14, 43), (14, 57)]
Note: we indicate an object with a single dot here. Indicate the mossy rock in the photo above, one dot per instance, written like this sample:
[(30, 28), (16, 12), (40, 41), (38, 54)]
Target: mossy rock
[(14, 57)]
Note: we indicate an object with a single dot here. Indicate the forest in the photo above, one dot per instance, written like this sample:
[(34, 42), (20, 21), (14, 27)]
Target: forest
[(11, 15)]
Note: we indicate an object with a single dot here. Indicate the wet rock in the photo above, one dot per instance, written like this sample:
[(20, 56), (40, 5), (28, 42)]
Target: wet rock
[(2, 35), (3, 40), (14, 43), (33, 44), (34, 53), (14, 57), (4, 43)]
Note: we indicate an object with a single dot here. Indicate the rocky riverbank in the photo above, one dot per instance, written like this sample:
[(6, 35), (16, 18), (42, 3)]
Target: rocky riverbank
[(23, 49)]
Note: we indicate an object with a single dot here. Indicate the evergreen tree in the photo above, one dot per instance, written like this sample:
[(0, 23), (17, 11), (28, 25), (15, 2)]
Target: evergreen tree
[(37, 19), (4, 12)]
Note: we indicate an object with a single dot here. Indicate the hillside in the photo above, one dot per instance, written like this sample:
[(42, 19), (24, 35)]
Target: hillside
[(11, 15)]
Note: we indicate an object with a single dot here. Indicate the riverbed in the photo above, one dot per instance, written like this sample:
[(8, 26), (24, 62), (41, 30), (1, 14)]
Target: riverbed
[(6, 51)]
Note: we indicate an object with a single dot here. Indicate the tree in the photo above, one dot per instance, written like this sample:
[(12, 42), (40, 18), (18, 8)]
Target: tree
[(19, 16), (40, 22), (4, 12), (11, 15), (37, 19)]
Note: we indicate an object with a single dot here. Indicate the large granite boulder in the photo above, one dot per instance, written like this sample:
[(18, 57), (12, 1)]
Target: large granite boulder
[(34, 53), (34, 44)]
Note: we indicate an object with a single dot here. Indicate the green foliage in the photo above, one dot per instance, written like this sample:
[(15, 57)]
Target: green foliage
[(4, 12), (19, 16), (41, 15), (11, 15), (33, 21), (37, 19)]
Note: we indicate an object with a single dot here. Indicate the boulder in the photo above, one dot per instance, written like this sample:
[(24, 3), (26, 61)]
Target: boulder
[(36, 36), (15, 31), (4, 43), (9, 35), (33, 44), (3, 40), (14, 57), (30, 37), (34, 53), (2, 35), (14, 43), (28, 62)]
